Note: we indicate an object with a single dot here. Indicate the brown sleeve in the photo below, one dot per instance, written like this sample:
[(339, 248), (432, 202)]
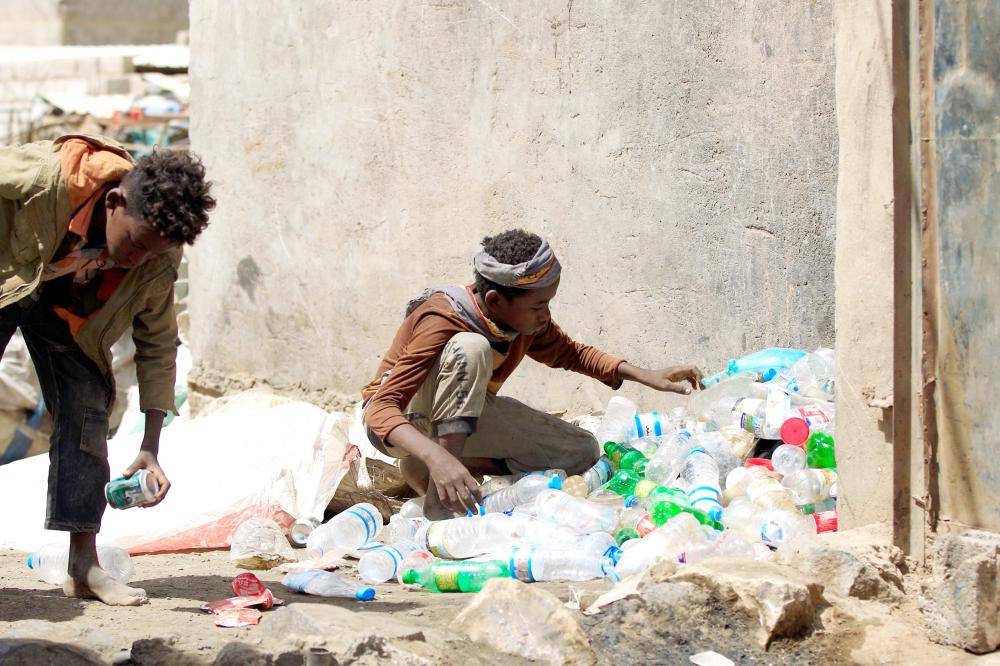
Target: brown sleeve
[(557, 350), (384, 411)]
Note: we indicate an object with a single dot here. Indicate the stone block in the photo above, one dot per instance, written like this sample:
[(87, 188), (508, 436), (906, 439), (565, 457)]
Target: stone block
[(961, 598)]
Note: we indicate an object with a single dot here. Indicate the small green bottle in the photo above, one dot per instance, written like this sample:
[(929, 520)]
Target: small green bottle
[(456, 576), (624, 534), (819, 451), (623, 482)]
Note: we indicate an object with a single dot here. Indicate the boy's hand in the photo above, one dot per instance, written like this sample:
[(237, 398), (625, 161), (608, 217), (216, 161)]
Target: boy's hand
[(147, 461), (665, 379), (456, 487)]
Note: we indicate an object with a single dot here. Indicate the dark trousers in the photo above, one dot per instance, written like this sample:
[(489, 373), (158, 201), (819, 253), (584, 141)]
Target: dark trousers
[(77, 395)]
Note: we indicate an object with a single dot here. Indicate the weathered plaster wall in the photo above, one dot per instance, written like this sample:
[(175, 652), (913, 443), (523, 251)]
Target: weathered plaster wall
[(680, 155), (864, 260), (91, 22)]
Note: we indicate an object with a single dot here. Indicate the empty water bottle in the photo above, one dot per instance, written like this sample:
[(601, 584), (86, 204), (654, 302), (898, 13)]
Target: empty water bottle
[(810, 485), (401, 529), (347, 531), (383, 563), (666, 542), (325, 584), (665, 465), (812, 375), (544, 564), (779, 527), (456, 576), (622, 456), (767, 362), (459, 538), (259, 543), (50, 563), (577, 514), (636, 518), (766, 492), (701, 473), (412, 508), (415, 559), (522, 492), (787, 459), (617, 418), (646, 424)]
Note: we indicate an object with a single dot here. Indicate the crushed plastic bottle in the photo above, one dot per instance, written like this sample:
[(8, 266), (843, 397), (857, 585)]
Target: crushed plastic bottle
[(51, 562), (767, 362), (347, 531), (522, 492), (259, 543), (666, 542), (812, 375), (325, 584)]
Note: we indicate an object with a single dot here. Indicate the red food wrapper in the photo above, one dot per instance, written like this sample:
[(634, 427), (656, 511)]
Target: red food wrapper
[(237, 617), (826, 521), (265, 600), (247, 585)]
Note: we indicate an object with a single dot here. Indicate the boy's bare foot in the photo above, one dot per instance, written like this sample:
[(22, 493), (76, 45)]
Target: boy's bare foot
[(95, 584)]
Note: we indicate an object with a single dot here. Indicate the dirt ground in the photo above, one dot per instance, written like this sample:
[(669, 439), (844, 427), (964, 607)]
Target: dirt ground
[(178, 584)]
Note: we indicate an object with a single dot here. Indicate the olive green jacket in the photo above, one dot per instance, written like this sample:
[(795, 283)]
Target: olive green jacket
[(35, 212)]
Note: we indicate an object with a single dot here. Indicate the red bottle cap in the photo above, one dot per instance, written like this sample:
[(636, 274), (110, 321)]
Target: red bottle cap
[(826, 521), (794, 431), (759, 462)]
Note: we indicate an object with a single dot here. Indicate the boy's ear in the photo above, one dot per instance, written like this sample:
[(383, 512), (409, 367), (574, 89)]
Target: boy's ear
[(114, 198), (492, 298)]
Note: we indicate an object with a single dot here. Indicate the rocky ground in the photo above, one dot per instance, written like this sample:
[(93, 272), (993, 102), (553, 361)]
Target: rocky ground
[(849, 600)]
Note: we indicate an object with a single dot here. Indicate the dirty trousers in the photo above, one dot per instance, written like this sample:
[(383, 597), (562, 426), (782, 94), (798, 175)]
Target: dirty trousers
[(454, 398), (77, 395)]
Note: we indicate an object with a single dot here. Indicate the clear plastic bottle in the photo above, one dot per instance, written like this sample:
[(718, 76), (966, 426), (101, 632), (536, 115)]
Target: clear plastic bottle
[(456, 576), (636, 518), (51, 561), (577, 514), (534, 564), (415, 559), (701, 473), (325, 584), (522, 492), (787, 459), (740, 478), (591, 480), (716, 402), (810, 485), (646, 424), (766, 492), (347, 531), (666, 542), (617, 417), (401, 529), (812, 375), (412, 508), (743, 517), (459, 538), (767, 362), (779, 527), (383, 563), (665, 465)]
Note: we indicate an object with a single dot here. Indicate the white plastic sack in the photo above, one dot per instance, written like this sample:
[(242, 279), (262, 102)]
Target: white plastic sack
[(251, 457)]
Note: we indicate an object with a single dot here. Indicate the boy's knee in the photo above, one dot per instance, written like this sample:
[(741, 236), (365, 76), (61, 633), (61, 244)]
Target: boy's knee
[(468, 351)]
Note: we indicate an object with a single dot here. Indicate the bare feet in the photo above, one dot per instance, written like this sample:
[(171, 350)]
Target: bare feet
[(95, 584)]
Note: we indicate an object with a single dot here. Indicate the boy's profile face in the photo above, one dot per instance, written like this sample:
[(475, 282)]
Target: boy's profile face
[(527, 314), (130, 241)]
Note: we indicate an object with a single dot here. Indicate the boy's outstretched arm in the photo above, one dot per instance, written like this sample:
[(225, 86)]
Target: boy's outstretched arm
[(670, 379)]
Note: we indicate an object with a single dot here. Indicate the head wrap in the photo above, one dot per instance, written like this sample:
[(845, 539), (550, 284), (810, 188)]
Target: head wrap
[(541, 271)]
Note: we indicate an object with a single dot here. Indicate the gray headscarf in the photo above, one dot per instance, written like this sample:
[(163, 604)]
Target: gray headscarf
[(541, 271)]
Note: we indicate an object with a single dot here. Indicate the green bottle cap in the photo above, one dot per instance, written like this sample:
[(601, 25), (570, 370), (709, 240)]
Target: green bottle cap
[(410, 576)]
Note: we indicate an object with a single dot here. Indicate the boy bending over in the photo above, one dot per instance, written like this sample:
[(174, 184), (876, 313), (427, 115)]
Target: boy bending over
[(434, 403)]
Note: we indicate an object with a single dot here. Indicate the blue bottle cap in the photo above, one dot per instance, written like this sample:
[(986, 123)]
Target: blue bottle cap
[(365, 594), (631, 501), (31, 561), (555, 482)]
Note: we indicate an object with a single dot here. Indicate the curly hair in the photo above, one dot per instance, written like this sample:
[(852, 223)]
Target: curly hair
[(168, 190), (514, 246)]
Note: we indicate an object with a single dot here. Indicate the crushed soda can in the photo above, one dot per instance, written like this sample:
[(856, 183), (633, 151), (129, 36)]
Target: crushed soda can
[(238, 617)]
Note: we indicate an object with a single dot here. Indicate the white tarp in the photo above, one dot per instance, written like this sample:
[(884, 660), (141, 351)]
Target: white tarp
[(254, 455)]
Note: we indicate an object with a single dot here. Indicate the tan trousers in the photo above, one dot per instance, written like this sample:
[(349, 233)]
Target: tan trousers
[(454, 398)]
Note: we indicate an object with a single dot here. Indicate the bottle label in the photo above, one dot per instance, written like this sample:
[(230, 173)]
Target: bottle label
[(520, 564), (746, 408), (433, 542), (644, 526), (446, 578), (122, 493), (367, 520)]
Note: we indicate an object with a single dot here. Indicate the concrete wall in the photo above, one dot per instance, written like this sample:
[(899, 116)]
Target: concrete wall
[(681, 156), (91, 22), (864, 264)]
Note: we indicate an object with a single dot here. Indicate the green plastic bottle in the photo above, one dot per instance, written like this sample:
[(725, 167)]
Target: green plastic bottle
[(819, 451), (624, 534), (456, 576)]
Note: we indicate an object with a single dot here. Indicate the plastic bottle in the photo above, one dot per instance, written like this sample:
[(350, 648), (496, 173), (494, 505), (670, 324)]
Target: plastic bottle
[(801, 421), (626, 482), (576, 486), (766, 362), (812, 375), (382, 562), (739, 479), (665, 466), (766, 492), (701, 473), (743, 517), (646, 424), (622, 456), (577, 514), (51, 562), (787, 459), (597, 475), (728, 544), (717, 445), (617, 417), (401, 529), (415, 559), (534, 564), (666, 542), (625, 534), (347, 531), (819, 451), (807, 486), (522, 492), (716, 403), (459, 538), (636, 518), (779, 527), (456, 576), (412, 508), (325, 584)]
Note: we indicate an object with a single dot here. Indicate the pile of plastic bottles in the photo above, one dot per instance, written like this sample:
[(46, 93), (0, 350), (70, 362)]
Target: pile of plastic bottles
[(681, 485)]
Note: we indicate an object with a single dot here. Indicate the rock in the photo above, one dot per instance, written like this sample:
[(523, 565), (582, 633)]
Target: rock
[(784, 600), (377, 650), (850, 565), (30, 651), (526, 621), (961, 599), (159, 652), (241, 654)]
